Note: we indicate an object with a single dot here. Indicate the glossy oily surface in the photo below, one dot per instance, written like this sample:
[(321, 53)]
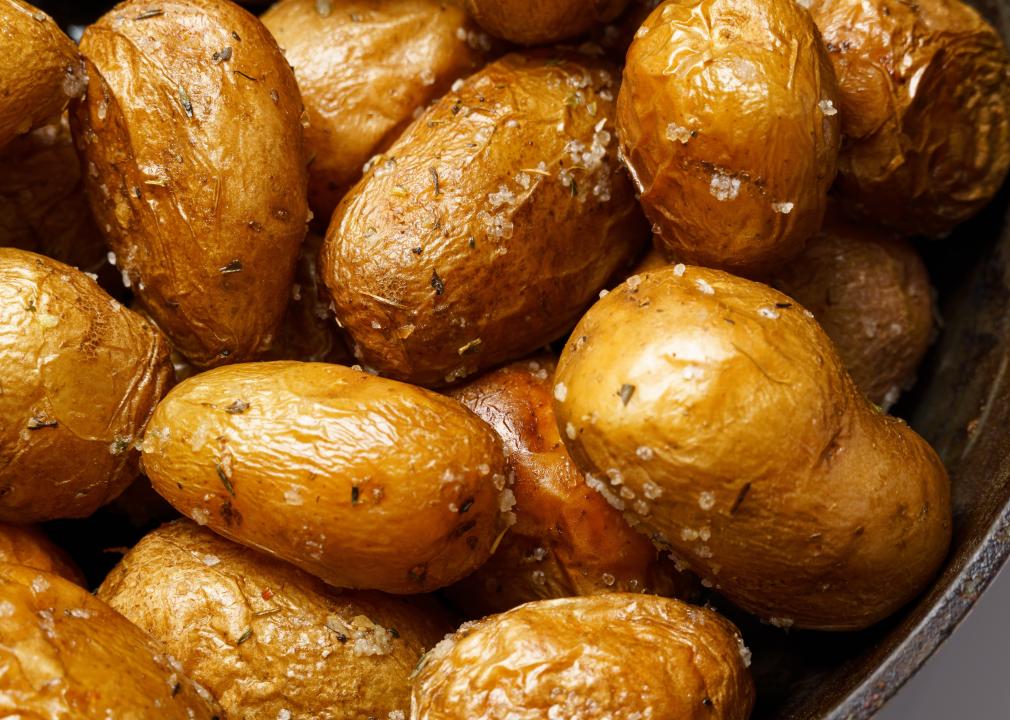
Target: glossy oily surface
[(540, 22)]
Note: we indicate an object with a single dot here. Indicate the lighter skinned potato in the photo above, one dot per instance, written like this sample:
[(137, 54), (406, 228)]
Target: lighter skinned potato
[(27, 545), (541, 22)]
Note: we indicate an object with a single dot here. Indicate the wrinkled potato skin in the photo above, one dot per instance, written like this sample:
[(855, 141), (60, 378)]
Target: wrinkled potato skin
[(542, 22), (40, 69), (362, 69), (925, 107), (586, 546), (456, 281), (770, 474), (593, 657), (65, 654), (870, 292), (743, 84), (81, 375), (310, 435), (199, 181), (26, 545), (252, 630)]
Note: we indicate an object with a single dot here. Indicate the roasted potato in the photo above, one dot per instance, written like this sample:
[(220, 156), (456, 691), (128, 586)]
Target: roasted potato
[(566, 540), (722, 407), (365, 67), (606, 656), (365, 482), (265, 638), (80, 375), (26, 545), (40, 69), (67, 655), (728, 121), (925, 108), (192, 137), (488, 226), (540, 22)]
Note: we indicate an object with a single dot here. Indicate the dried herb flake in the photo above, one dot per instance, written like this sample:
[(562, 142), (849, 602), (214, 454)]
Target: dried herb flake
[(222, 55), (434, 179), (626, 392), (153, 12), (436, 282), (355, 495), (224, 479), (237, 408), (244, 636), (233, 267), (41, 421), (187, 104)]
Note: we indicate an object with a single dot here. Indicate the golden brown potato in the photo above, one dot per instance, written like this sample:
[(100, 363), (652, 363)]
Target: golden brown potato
[(81, 375), (266, 638), (723, 407), (727, 120), (606, 656), (365, 482), (542, 22), (191, 134), (925, 108), (68, 655), (364, 68), (26, 545), (488, 226), (870, 292), (567, 540), (40, 69)]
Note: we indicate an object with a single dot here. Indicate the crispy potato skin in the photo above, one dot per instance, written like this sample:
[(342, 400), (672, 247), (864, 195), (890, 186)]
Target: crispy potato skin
[(567, 540), (81, 375), (456, 253), (26, 545), (40, 69), (199, 178), (364, 67), (364, 482), (870, 292), (925, 107), (65, 654), (731, 129), (589, 657), (541, 22), (252, 629), (769, 473)]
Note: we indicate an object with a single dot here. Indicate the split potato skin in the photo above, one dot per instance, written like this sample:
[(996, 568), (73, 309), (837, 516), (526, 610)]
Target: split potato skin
[(925, 107), (541, 22), (192, 137), (81, 376), (67, 654), (264, 637), (592, 657), (733, 135), (364, 67), (27, 545), (364, 482), (487, 228), (723, 405)]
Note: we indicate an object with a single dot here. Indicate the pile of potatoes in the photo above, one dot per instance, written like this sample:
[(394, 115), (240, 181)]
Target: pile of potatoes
[(551, 317)]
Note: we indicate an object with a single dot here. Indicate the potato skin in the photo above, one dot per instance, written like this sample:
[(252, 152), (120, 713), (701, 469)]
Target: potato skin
[(81, 375), (253, 629), (733, 137), (199, 178), (567, 540), (40, 69), (27, 545), (456, 252), (925, 107), (364, 67), (586, 657), (68, 655), (407, 478), (723, 405), (542, 22)]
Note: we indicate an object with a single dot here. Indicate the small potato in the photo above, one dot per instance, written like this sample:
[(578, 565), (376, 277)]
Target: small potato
[(925, 108), (364, 482), (607, 656), (488, 226), (267, 639), (40, 69), (192, 137), (722, 406), (68, 655), (81, 375), (364, 68), (542, 22), (567, 540), (871, 293), (727, 120), (26, 545)]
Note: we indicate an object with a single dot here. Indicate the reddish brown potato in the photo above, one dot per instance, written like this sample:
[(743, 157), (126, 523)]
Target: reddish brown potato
[(542, 22), (26, 545)]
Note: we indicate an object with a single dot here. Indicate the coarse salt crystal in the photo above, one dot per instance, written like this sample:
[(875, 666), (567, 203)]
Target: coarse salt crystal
[(724, 187), (560, 392)]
